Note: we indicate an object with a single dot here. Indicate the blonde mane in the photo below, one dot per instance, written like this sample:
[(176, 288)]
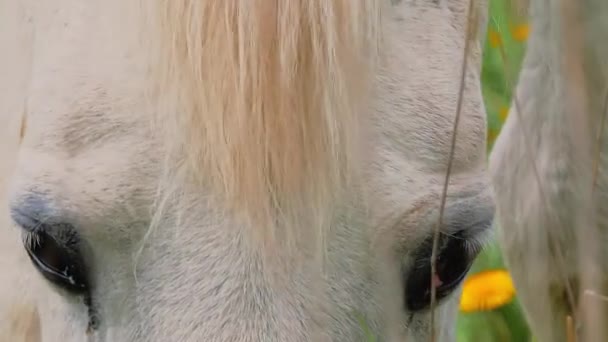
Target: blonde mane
[(268, 96)]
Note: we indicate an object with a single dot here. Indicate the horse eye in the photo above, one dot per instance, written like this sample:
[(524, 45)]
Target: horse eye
[(58, 260), (455, 258)]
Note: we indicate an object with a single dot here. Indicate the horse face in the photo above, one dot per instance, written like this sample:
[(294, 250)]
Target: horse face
[(416, 101), (85, 192)]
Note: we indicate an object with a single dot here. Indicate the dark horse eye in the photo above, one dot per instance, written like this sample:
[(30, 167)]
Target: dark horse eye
[(58, 257), (56, 251), (455, 257)]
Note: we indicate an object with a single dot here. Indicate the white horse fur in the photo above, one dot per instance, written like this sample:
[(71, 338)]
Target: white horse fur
[(552, 217), (237, 170)]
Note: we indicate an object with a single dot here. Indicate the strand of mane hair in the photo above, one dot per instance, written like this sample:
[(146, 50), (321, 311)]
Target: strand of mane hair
[(268, 97)]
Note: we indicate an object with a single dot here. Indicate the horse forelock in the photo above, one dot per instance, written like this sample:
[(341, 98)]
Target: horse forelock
[(268, 95)]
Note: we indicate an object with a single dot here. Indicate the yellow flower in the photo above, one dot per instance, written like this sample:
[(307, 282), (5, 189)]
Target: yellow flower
[(503, 112), (486, 291), (494, 38), (520, 32)]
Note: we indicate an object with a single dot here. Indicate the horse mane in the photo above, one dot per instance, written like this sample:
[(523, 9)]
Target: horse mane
[(268, 94)]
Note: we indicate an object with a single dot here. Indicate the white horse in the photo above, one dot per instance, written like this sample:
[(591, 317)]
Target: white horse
[(549, 172), (230, 170)]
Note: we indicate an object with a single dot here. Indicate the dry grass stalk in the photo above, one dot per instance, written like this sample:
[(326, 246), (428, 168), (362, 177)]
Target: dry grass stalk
[(592, 316), (472, 24), (566, 119), (579, 101), (571, 334)]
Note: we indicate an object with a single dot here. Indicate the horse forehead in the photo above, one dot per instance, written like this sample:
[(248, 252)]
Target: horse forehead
[(85, 72), (81, 42), (99, 40)]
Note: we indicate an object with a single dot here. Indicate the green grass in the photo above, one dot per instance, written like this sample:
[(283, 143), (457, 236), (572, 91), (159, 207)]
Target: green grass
[(506, 323)]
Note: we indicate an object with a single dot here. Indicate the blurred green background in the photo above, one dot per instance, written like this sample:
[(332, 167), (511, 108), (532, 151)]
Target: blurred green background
[(504, 48)]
